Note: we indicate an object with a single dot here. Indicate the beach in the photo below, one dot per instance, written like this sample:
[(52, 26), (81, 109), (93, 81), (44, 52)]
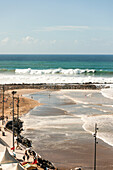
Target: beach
[(25, 103), (62, 136), (59, 136)]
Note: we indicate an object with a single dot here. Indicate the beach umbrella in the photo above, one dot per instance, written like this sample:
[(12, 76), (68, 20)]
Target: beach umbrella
[(6, 157)]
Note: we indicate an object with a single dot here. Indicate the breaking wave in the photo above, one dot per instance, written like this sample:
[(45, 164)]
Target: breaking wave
[(59, 75), (56, 71), (64, 71)]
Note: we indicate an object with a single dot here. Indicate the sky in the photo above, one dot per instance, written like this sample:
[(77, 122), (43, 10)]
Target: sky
[(56, 27)]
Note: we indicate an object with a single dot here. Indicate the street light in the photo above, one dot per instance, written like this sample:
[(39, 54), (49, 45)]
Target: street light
[(3, 106), (17, 119), (18, 107), (13, 93), (95, 136)]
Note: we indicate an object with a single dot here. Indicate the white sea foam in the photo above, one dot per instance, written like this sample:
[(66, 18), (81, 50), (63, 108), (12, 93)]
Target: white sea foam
[(47, 122), (105, 124), (49, 76), (54, 71), (108, 92), (103, 118)]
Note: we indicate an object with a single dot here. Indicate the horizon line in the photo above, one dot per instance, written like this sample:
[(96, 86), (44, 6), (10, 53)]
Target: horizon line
[(57, 54)]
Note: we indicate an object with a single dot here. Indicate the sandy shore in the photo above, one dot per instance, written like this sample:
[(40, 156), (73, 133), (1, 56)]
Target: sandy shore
[(25, 104), (81, 151)]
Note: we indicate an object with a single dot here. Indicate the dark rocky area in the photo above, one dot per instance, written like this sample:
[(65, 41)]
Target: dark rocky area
[(54, 86)]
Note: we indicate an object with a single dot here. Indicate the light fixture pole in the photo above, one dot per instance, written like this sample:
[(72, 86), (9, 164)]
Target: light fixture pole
[(13, 93), (95, 136), (17, 119), (18, 108), (3, 106)]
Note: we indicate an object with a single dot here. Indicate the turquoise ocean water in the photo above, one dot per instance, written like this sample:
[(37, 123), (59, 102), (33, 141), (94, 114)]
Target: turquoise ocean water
[(64, 68), (102, 64)]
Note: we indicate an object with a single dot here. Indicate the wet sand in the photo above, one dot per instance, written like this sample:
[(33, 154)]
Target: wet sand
[(81, 154), (78, 153)]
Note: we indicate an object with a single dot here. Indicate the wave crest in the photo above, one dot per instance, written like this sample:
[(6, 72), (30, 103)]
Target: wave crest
[(55, 71)]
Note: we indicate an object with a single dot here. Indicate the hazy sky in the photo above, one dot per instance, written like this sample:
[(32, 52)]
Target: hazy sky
[(56, 26)]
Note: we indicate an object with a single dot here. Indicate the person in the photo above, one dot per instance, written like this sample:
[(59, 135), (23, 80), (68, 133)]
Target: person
[(6, 118), (35, 161), (27, 157), (39, 156), (26, 153), (29, 151), (34, 153), (24, 157), (14, 154)]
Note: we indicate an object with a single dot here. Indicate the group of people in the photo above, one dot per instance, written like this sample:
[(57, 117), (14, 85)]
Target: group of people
[(37, 159), (30, 153), (26, 155)]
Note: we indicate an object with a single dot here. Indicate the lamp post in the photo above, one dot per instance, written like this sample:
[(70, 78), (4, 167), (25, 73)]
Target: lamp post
[(18, 107), (17, 119), (13, 93), (95, 136), (3, 106)]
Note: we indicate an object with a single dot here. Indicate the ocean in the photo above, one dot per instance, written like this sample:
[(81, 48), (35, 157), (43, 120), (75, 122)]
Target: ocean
[(56, 68)]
